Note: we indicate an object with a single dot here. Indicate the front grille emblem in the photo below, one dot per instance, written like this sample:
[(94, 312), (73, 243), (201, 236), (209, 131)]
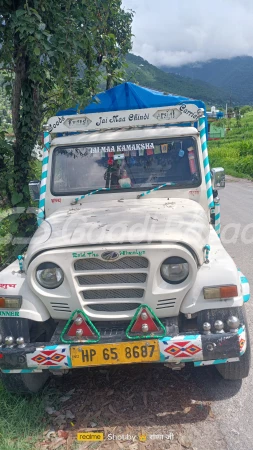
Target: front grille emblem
[(110, 256)]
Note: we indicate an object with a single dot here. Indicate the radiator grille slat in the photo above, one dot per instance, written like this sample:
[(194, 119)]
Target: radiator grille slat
[(112, 293), (128, 262), (113, 278), (114, 307)]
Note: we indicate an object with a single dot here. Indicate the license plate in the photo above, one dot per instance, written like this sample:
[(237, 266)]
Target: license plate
[(121, 353)]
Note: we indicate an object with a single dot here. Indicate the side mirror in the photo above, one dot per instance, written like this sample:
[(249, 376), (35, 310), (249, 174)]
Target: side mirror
[(218, 178), (34, 189)]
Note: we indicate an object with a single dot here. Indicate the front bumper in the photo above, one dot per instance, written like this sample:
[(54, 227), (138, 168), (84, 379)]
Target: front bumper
[(182, 348)]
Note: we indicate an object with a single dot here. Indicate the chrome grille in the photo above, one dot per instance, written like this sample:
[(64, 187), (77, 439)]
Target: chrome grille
[(114, 307), (128, 262), (112, 293), (114, 278)]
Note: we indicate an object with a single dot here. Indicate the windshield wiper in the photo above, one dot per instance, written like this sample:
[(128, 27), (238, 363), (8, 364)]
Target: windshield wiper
[(155, 189), (77, 200)]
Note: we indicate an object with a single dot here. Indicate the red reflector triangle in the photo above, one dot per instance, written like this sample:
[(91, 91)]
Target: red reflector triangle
[(145, 324), (140, 321), (87, 332), (79, 328)]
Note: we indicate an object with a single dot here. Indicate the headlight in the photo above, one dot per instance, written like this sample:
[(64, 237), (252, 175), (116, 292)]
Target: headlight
[(174, 270), (49, 275)]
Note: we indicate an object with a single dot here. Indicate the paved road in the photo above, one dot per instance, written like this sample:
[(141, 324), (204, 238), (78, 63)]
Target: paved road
[(203, 410), (232, 402), (235, 414)]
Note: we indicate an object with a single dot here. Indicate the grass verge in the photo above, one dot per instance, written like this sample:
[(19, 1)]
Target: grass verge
[(22, 420)]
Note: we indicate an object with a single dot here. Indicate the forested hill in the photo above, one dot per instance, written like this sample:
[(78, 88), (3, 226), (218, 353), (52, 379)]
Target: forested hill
[(141, 71), (235, 75)]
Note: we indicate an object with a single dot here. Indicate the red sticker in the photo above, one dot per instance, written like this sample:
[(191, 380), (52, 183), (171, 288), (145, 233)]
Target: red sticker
[(150, 151)]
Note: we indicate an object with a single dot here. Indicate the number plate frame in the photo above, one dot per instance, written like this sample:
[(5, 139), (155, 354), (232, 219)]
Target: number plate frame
[(119, 353)]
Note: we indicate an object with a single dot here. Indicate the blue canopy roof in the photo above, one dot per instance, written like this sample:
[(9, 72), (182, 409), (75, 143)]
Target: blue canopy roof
[(130, 96)]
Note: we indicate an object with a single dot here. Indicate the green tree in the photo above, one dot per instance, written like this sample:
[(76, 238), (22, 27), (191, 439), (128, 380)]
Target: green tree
[(221, 123), (116, 45), (237, 116), (245, 109), (42, 45), (230, 111)]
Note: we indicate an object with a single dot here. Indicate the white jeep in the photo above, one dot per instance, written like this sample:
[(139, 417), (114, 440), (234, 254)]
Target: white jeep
[(126, 265)]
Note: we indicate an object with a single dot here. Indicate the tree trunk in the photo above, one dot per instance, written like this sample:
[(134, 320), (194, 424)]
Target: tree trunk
[(109, 82), (26, 105), (19, 75)]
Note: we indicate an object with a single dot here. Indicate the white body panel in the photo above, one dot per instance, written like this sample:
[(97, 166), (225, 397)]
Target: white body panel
[(220, 271), (154, 228), (128, 221), (166, 300), (32, 306)]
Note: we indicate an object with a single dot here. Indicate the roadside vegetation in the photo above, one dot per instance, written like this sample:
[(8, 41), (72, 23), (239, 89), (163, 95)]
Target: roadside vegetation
[(53, 54), (235, 151), (43, 45), (22, 421)]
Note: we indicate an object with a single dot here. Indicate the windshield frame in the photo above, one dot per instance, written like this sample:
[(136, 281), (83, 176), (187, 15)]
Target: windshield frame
[(140, 189)]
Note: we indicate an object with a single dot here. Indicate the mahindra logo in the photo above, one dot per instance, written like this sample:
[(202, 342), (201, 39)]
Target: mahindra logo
[(110, 256)]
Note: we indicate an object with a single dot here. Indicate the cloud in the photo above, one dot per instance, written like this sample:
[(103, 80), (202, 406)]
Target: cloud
[(173, 33)]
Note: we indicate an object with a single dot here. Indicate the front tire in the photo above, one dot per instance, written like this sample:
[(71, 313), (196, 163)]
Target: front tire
[(24, 383), (239, 369)]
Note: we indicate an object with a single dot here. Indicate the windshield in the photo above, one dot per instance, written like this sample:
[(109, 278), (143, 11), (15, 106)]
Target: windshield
[(125, 166)]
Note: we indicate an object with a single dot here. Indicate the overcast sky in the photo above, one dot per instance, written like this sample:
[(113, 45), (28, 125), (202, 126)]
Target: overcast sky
[(173, 32)]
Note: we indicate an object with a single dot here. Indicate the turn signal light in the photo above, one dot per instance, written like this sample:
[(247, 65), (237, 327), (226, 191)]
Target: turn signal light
[(10, 302), (218, 292)]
